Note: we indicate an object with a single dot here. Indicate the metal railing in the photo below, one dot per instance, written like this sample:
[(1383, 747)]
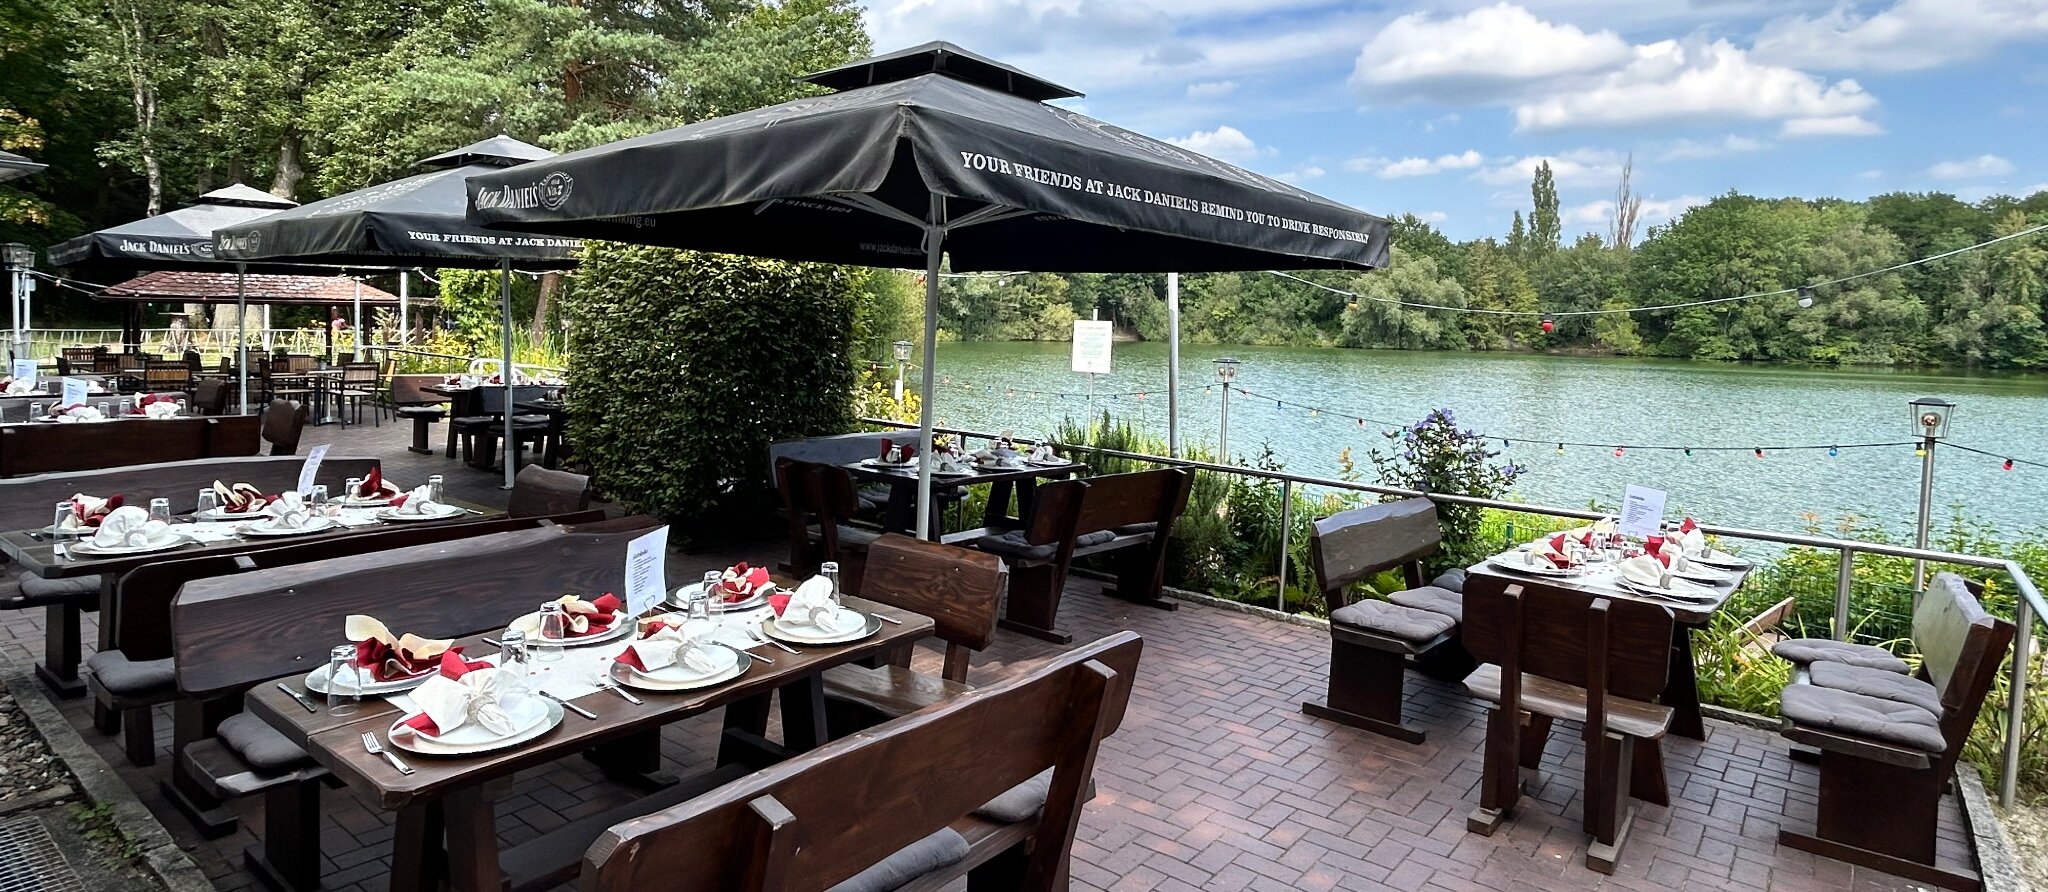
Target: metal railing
[(464, 360), (2029, 604)]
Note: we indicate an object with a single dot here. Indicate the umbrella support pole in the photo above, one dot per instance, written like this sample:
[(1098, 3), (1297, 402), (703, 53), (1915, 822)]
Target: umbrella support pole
[(505, 372), (934, 246), (242, 336)]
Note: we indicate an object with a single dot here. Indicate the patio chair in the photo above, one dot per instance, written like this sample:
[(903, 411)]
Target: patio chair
[(1551, 654), (1372, 641), (283, 422), (409, 399), (538, 492), (163, 375), (1889, 741), (358, 384)]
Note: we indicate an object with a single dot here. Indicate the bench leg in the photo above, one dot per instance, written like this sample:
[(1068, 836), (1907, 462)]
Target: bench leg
[(1034, 603), (1140, 574), (191, 722), (59, 669), (1365, 691), (1002, 873), (1682, 693), (419, 436), (803, 714), (1879, 816), (1607, 813), (634, 760), (288, 856), (138, 735)]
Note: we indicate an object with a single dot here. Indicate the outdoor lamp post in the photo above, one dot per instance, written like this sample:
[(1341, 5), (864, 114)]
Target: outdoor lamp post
[(1930, 424), (1226, 372), (902, 362), (19, 259)]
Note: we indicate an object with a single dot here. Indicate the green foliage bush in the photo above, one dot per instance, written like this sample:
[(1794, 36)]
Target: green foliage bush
[(686, 365), (1435, 455)]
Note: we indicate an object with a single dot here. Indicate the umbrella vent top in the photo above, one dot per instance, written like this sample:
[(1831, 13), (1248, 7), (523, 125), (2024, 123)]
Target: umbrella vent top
[(940, 57), (498, 151), (239, 195)]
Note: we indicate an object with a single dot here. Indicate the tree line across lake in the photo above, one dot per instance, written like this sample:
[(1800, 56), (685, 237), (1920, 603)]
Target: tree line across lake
[(1980, 309)]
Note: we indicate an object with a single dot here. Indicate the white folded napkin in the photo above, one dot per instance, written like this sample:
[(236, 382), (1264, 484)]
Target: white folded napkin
[(419, 501), (1646, 570), (1043, 452), (475, 697), (670, 644), (160, 409), (949, 463), (289, 512), (129, 526), (80, 412), (811, 605), (19, 386), (1692, 542)]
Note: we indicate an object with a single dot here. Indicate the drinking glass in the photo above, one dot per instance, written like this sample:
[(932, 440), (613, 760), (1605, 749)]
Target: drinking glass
[(182, 408), (63, 514), (350, 486), (830, 571), (434, 487), (319, 495), (160, 509), (103, 410), (554, 628), (700, 604), (207, 501), (515, 661), (340, 660), (124, 404), (35, 410)]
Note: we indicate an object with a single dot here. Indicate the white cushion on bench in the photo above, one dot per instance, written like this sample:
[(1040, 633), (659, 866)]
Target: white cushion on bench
[(1886, 721), (1433, 599), (1805, 651), (1876, 683), (940, 849), (1393, 620)]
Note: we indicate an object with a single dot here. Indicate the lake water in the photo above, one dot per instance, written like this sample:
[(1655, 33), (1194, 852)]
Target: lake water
[(1537, 401)]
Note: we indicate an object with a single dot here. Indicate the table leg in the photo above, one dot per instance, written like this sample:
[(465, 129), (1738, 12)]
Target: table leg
[(900, 515), (744, 739), (996, 515), (59, 668), (1027, 500), (418, 861), (1682, 693), (803, 713), (472, 841), (634, 760)]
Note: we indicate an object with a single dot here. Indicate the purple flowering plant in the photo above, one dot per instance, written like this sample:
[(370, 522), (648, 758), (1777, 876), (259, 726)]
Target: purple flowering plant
[(1435, 455)]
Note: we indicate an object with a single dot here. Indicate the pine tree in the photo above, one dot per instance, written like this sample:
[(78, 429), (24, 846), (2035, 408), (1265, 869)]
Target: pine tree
[(1546, 228), (1518, 237)]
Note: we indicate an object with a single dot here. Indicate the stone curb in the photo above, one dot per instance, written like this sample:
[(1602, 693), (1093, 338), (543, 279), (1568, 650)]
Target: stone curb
[(99, 783)]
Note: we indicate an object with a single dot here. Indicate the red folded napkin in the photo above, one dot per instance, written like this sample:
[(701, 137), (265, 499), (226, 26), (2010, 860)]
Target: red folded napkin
[(1687, 526), (148, 399), (1558, 542), (741, 582), (648, 629), (453, 666), (372, 485), (1557, 560), (389, 663), (778, 602), (603, 612), (91, 516)]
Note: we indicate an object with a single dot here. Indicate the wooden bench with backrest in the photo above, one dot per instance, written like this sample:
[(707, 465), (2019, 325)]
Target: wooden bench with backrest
[(231, 633), (283, 423), (959, 588), (48, 448), (819, 503), (410, 399), (539, 492), (1373, 641), (904, 805), (837, 449), (1131, 515), (1551, 654), (138, 672), (1889, 740)]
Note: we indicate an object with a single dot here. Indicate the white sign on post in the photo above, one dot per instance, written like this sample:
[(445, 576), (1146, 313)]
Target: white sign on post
[(646, 572), (1642, 511), (75, 392), (25, 370), (1091, 346), (312, 468)]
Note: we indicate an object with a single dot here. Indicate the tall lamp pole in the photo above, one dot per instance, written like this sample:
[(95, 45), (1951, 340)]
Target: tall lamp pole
[(902, 362), (19, 259), (1930, 421), (1226, 372)]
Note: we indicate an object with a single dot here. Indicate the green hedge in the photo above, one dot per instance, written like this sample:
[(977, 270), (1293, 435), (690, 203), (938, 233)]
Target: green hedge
[(686, 365)]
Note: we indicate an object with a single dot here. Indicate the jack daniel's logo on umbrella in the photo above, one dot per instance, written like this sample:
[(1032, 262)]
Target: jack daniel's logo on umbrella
[(247, 243), (551, 192)]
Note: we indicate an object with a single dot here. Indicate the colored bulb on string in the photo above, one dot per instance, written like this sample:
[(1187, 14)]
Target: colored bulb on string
[(1919, 452), (1619, 452), (1276, 405), (1759, 452), (1833, 451), (1549, 325), (1313, 413), (1688, 451), (2008, 464), (1361, 422), (1560, 449), (1504, 443)]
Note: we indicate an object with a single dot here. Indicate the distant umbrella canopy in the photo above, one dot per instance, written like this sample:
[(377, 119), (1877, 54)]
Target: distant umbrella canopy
[(178, 239), (14, 166), (417, 220), (850, 177)]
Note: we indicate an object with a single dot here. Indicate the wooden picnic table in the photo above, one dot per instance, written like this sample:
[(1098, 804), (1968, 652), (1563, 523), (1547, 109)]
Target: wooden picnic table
[(446, 795), (35, 551), (900, 514), (468, 402), (1682, 694)]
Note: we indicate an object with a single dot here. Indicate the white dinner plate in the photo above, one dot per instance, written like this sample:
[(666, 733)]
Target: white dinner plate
[(1722, 559), (441, 512), (316, 681), (673, 678), (472, 739), (679, 598), (1543, 569), (316, 525), (1055, 463), (1680, 590), (213, 514), (1698, 572), (878, 463), (621, 625), (371, 502), (774, 628), (164, 543)]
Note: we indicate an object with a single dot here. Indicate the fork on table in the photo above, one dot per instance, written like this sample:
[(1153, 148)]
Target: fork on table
[(376, 748)]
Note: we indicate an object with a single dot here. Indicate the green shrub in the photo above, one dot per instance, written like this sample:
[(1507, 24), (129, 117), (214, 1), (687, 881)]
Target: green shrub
[(686, 365), (1435, 455)]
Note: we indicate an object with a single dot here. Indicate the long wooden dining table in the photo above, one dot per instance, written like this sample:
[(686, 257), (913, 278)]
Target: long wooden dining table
[(900, 514), (1682, 692), (444, 798), (36, 552)]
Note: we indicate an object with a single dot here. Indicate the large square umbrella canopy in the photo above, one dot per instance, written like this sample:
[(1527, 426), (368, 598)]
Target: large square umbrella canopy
[(13, 166), (929, 150), (179, 239)]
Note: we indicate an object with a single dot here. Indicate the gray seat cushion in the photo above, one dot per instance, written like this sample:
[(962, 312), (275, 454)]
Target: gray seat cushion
[(1433, 599), (1132, 529), (1876, 683), (36, 588), (1805, 651), (1393, 620), (123, 676), (1012, 544), (261, 745), (940, 849), (1020, 802), (1453, 579), (1887, 721), (1095, 538)]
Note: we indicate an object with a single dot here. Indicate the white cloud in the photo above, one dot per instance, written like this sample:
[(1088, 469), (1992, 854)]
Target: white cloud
[(1579, 167), (1693, 81), (1211, 89), (1300, 174), (1732, 144), (1434, 216), (1443, 120), (2030, 190), (1597, 213), (1225, 143), (1909, 35), (1420, 167), (1474, 56), (1980, 166), (1838, 125)]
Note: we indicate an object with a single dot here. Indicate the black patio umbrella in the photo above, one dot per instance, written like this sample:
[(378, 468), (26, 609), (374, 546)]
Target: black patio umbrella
[(418, 220), (14, 166), (927, 150), (179, 239)]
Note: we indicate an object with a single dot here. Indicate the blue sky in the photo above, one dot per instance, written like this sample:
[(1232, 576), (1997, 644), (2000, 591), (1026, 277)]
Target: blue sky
[(1441, 108)]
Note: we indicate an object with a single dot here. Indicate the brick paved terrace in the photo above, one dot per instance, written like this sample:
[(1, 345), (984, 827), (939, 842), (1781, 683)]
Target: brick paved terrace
[(1217, 780)]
